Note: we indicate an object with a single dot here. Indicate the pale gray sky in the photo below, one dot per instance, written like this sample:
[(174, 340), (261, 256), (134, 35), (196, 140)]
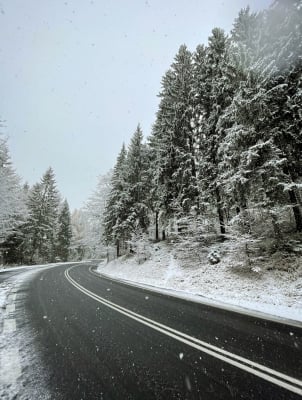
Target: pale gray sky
[(77, 76)]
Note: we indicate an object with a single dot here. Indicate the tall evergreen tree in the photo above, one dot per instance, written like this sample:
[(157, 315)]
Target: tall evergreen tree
[(283, 91), (262, 139), (41, 227), (115, 229), (172, 139), (138, 183), (64, 233), (12, 202), (213, 90)]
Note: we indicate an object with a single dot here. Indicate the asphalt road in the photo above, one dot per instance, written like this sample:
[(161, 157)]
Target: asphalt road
[(100, 339)]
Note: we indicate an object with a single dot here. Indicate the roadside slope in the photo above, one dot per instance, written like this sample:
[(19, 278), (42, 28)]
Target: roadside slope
[(271, 287)]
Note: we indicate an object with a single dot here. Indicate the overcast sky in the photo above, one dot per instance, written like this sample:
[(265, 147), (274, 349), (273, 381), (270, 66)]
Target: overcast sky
[(77, 76)]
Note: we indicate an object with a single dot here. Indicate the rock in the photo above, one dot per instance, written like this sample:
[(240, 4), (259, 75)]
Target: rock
[(214, 257)]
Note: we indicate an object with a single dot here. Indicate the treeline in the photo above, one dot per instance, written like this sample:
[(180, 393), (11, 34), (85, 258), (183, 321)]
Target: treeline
[(87, 223), (226, 144), (35, 224)]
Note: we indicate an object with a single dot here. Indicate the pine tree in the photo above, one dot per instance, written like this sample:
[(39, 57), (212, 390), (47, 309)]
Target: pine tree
[(95, 208), (41, 226), (115, 229), (12, 203), (236, 119), (262, 141), (64, 234), (137, 181), (213, 90), (283, 91), (172, 140)]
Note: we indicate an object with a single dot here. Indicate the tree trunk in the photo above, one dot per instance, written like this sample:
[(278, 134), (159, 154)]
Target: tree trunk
[(156, 226), (117, 248), (296, 210), (163, 235), (220, 212), (245, 216), (276, 227)]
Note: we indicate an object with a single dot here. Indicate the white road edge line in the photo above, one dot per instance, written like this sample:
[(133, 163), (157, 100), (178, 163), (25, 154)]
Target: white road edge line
[(10, 308), (12, 297), (9, 325), (10, 366), (252, 367)]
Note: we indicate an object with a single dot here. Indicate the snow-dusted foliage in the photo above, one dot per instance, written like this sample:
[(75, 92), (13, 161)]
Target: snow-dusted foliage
[(172, 139), (79, 228), (34, 226), (127, 208), (115, 229), (94, 213), (64, 233), (40, 229), (12, 198), (226, 144)]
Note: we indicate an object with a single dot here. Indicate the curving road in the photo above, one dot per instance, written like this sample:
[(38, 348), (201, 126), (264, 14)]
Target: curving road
[(101, 339)]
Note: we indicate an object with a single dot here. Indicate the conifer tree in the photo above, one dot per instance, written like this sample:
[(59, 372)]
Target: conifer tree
[(213, 91), (283, 92), (172, 139), (79, 228), (12, 202), (94, 209), (137, 183), (64, 233), (41, 226), (115, 229), (261, 142)]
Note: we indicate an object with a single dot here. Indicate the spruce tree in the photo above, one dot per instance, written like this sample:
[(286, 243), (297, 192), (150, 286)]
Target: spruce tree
[(12, 201), (115, 229), (213, 90), (137, 183), (172, 140), (64, 233), (259, 154), (41, 226), (284, 29)]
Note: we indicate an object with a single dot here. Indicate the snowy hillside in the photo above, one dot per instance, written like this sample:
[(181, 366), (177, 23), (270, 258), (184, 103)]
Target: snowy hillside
[(274, 286)]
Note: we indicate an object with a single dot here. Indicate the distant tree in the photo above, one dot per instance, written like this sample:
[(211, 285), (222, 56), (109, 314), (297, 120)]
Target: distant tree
[(64, 234), (94, 210), (115, 214), (137, 183), (79, 227), (41, 226)]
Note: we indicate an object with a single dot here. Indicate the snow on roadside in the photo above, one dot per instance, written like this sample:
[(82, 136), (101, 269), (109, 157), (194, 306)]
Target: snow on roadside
[(5, 287), (22, 375), (267, 290)]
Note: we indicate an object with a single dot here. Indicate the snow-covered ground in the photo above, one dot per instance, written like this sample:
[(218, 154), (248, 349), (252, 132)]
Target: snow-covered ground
[(273, 286), (21, 372)]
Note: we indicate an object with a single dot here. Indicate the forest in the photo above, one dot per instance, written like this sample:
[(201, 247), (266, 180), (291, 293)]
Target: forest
[(224, 154), (222, 161)]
